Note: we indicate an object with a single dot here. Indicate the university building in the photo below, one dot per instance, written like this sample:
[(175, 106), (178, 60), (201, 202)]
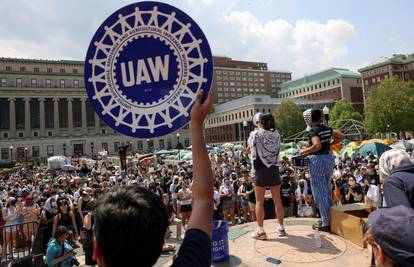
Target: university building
[(232, 121), (398, 65), (44, 111), (234, 79), (328, 85)]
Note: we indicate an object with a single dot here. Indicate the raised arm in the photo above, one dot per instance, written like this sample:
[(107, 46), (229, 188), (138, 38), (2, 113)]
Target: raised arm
[(203, 177)]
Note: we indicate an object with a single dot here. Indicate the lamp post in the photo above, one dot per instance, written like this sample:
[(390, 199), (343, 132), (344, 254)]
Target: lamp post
[(245, 132), (178, 145), (64, 150), (92, 146), (147, 144), (25, 156), (326, 115), (11, 153)]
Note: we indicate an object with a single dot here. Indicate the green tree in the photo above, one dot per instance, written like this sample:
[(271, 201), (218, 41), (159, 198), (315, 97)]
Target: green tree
[(342, 111), (289, 119), (390, 107)]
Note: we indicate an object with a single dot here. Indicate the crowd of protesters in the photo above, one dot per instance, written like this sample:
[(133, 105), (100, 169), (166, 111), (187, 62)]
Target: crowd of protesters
[(62, 202)]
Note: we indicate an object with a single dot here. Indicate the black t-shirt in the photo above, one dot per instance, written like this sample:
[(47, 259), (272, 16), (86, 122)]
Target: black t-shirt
[(344, 191), (286, 194), (325, 135), (195, 250), (252, 197), (373, 179)]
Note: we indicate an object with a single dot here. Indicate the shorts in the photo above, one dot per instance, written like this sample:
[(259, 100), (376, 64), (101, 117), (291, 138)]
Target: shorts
[(244, 202), (267, 176), (186, 208), (228, 204)]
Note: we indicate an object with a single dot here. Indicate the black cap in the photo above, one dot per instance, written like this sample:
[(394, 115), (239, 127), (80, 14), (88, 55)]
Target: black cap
[(393, 230)]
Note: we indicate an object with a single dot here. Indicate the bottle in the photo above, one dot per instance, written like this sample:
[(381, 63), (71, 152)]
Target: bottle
[(317, 237)]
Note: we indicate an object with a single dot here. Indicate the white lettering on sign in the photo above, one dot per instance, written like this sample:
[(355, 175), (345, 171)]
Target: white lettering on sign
[(131, 77)]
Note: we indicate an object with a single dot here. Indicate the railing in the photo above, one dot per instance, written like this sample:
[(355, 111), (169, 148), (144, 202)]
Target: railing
[(17, 241)]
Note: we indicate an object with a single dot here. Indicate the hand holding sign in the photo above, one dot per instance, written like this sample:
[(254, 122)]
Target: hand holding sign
[(200, 110)]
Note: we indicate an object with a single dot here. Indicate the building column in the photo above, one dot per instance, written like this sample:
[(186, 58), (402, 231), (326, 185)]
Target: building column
[(27, 117), (70, 116), (12, 115), (42, 116), (56, 115), (97, 124), (83, 111)]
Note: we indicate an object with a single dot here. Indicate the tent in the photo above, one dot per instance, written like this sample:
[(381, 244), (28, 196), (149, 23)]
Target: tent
[(163, 152), (383, 141), (349, 149), (289, 153), (353, 144), (376, 148), (238, 148), (403, 145)]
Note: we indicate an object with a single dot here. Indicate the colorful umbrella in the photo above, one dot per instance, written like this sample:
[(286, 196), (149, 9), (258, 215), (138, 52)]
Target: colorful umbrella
[(376, 148)]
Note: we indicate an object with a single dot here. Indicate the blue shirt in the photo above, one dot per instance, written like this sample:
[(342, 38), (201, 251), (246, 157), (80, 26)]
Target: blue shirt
[(54, 251)]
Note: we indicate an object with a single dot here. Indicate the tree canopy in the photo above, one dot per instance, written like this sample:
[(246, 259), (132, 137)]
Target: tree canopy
[(341, 112), (390, 107), (288, 118)]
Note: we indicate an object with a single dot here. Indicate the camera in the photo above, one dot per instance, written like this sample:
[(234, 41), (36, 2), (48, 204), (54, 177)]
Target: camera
[(74, 262)]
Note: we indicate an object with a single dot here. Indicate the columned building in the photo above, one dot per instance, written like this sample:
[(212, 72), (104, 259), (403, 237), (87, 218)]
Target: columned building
[(44, 111), (329, 85), (398, 65), (232, 121)]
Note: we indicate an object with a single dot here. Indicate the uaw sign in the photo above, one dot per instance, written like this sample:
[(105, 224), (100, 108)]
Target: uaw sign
[(143, 69)]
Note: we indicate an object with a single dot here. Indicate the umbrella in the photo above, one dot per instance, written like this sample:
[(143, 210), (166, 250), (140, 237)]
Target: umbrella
[(403, 145), (228, 146), (383, 141), (218, 149), (238, 148), (188, 156), (376, 148), (68, 167), (289, 153), (349, 149), (353, 144), (345, 142), (163, 152)]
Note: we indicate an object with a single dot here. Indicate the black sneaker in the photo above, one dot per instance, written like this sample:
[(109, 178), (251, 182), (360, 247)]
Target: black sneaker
[(326, 228)]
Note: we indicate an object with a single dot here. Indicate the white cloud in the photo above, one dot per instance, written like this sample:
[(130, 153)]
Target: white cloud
[(62, 30), (303, 47)]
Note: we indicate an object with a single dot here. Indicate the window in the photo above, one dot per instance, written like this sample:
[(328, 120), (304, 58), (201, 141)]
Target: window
[(50, 150), (366, 82), (161, 144), (34, 83), (18, 82), (373, 80), (378, 79), (386, 76), (35, 134), (186, 142), (75, 71), (22, 69), (49, 133), (5, 135), (116, 146), (218, 71), (48, 83), (140, 145), (62, 83), (105, 146), (3, 82), (35, 152), (62, 70), (49, 70), (76, 83), (20, 135), (9, 68), (36, 69), (151, 145)]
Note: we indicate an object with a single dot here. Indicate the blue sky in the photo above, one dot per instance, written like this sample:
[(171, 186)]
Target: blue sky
[(298, 36)]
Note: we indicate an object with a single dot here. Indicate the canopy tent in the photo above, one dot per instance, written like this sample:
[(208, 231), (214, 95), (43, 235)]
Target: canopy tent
[(376, 148), (228, 146), (238, 148), (164, 152), (354, 144), (403, 145), (188, 156), (383, 141)]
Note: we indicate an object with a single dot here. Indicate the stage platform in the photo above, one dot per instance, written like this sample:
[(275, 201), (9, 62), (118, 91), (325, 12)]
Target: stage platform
[(297, 249)]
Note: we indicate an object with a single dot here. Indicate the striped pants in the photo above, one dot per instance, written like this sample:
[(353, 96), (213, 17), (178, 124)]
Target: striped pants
[(321, 170)]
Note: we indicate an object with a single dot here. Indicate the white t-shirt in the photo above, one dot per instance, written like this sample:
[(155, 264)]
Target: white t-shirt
[(185, 193), (172, 190), (216, 198)]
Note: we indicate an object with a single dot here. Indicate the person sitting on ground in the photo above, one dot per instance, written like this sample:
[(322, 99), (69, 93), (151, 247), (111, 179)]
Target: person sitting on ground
[(130, 223), (391, 234), (397, 169), (351, 192)]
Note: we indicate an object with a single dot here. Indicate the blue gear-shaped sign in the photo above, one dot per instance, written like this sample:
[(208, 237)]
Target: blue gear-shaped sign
[(144, 67)]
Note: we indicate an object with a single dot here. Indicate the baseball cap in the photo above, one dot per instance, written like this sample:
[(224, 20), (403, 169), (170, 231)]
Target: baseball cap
[(393, 230)]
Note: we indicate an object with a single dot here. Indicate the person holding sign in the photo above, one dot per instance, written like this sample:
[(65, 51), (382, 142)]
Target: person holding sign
[(127, 217), (321, 162)]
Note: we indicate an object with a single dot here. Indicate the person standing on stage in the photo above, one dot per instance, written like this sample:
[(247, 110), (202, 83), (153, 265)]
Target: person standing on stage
[(321, 162), (264, 146)]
